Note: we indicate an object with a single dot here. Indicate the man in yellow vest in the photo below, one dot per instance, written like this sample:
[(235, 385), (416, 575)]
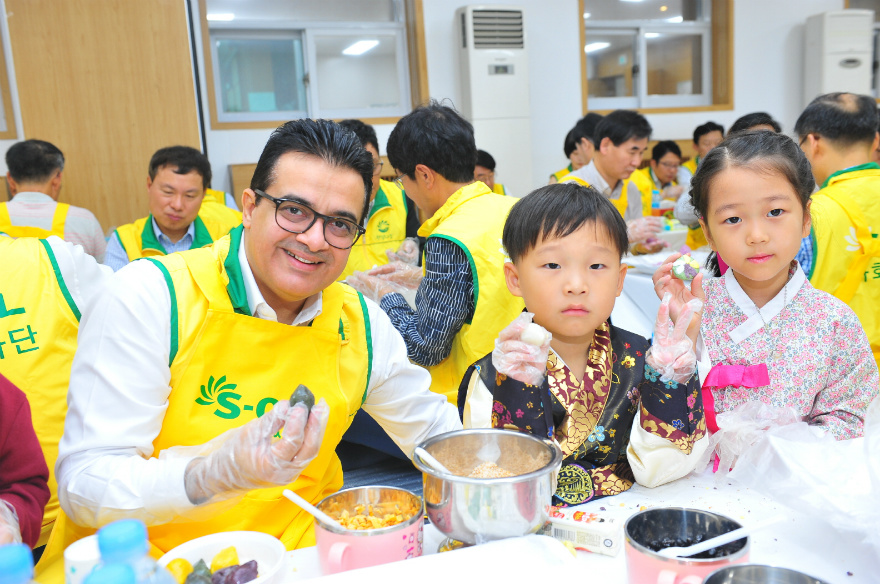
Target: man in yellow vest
[(392, 223), (186, 363), (462, 302), (838, 134), (621, 138), (179, 217), (658, 180), (579, 145), (35, 169), (484, 172), (45, 284)]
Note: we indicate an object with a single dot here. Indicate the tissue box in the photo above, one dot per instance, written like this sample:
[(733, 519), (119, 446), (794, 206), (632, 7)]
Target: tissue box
[(597, 532)]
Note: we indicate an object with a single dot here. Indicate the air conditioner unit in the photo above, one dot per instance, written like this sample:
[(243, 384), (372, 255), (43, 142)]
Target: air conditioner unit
[(495, 89), (838, 53)]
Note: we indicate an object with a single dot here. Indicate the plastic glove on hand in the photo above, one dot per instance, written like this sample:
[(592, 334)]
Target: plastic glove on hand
[(373, 287), (9, 529), (399, 273), (672, 352), (682, 291), (407, 253), (251, 457), (521, 350), (641, 229)]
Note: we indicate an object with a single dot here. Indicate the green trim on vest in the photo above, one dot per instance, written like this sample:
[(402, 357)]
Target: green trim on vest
[(201, 237), (473, 265), (369, 336), (61, 284), (341, 330), (866, 166), (122, 245), (149, 239), (380, 202), (235, 288), (815, 245), (175, 333)]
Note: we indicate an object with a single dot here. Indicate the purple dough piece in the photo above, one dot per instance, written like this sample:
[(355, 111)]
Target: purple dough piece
[(224, 576), (245, 573), (690, 272)]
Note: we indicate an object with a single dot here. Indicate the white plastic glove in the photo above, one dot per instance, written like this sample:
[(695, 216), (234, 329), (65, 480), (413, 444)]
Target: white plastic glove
[(408, 252), (9, 530), (673, 192), (672, 353), (250, 457), (397, 277), (641, 229), (521, 350)]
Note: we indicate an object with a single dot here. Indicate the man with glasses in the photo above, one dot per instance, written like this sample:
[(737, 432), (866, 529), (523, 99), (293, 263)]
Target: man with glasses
[(392, 223), (657, 181), (180, 217), (186, 364)]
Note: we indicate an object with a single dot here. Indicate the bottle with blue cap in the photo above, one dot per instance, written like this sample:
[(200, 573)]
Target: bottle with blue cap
[(125, 542), (16, 564)]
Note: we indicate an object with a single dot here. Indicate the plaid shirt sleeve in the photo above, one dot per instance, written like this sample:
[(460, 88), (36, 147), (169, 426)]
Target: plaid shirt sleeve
[(444, 302), (805, 255)]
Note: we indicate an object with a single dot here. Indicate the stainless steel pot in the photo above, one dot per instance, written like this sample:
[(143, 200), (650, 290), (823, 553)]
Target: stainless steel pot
[(474, 510), (756, 574)]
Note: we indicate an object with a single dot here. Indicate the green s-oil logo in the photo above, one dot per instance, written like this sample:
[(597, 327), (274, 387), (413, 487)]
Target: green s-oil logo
[(383, 226), (219, 393)]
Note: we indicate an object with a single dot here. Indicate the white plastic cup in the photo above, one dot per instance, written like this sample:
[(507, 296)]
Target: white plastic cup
[(80, 558)]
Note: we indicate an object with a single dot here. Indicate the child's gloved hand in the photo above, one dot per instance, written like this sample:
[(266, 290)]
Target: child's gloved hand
[(644, 228), (521, 350), (681, 291), (672, 352), (408, 252)]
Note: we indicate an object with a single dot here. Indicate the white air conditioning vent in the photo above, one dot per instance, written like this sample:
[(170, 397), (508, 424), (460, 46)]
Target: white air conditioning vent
[(498, 29)]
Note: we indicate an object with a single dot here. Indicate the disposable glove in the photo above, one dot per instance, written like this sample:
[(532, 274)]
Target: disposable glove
[(644, 228), (408, 252), (521, 350), (672, 352), (9, 530), (251, 457), (682, 292), (397, 277)]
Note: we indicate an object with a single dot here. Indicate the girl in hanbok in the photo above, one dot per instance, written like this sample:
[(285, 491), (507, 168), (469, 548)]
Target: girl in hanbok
[(766, 334)]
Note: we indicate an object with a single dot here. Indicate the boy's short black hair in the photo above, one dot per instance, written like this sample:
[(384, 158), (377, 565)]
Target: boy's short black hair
[(620, 126), (485, 160), (700, 131), (558, 210)]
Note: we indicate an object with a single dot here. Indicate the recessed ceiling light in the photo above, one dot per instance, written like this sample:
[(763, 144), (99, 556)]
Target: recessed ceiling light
[(222, 16), (664, 8), (586, 15), (360, 47), (593, 47)]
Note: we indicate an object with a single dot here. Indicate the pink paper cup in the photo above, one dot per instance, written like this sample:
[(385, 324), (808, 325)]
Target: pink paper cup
[(340, 550)]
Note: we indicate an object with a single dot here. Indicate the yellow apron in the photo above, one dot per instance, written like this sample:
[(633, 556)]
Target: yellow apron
[(217, 385), (215, 196), (695, 237), (692, 164), (38, 326), (139, 240), (499, 189), (619, 204), (386, 230), (641, 178), (59, 219), (561, 173), (846, 221), (474, 221)]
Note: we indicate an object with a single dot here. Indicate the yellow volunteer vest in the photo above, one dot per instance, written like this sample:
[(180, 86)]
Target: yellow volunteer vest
[(386, 230), (139, 240), (38, 322), (619, 204), (643, 181), (216, 386), (473, 219), (695, 237), (692, 164), (846, 248), (561, 173), (59, 219), (215, 196), (499, 189)]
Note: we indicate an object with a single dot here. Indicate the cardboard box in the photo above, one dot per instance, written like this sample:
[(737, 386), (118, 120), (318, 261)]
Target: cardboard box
[(597, 532)]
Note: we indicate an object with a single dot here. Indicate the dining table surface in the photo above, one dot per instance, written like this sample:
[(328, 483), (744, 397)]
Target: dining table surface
[(807, 543)]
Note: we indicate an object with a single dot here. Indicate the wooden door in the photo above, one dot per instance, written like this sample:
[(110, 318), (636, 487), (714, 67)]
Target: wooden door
[(109, 82)]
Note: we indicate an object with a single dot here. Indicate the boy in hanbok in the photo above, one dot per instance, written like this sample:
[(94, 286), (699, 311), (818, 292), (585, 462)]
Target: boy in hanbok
[(766, 334), (619, 409)]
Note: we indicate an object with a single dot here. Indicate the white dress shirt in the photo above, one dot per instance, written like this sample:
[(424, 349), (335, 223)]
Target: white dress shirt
[(594, 178), (119, 387)]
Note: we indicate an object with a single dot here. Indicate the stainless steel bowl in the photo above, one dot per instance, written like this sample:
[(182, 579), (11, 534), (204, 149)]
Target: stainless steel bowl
[(681, 523), (377, 496), (756, 574), (473, 510)]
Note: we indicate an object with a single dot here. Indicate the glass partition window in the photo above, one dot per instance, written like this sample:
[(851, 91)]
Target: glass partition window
[(648, 54)]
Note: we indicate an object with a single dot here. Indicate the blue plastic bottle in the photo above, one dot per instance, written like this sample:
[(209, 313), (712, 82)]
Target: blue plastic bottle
[(16, 564), (125, 542), (111, 574)]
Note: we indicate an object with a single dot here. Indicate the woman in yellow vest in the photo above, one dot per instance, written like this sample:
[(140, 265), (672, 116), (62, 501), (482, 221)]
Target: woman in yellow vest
[(216, 337), (43, 285), (390, 220)]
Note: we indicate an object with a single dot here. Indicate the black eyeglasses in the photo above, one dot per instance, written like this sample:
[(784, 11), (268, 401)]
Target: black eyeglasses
[(295, 217)]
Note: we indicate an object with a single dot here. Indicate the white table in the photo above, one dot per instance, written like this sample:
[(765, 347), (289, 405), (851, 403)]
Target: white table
[(635, 309), (804, 543)]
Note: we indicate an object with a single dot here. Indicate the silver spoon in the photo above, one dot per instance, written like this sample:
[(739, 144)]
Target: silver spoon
[(432, 462), (684, 552), (311, 509)]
